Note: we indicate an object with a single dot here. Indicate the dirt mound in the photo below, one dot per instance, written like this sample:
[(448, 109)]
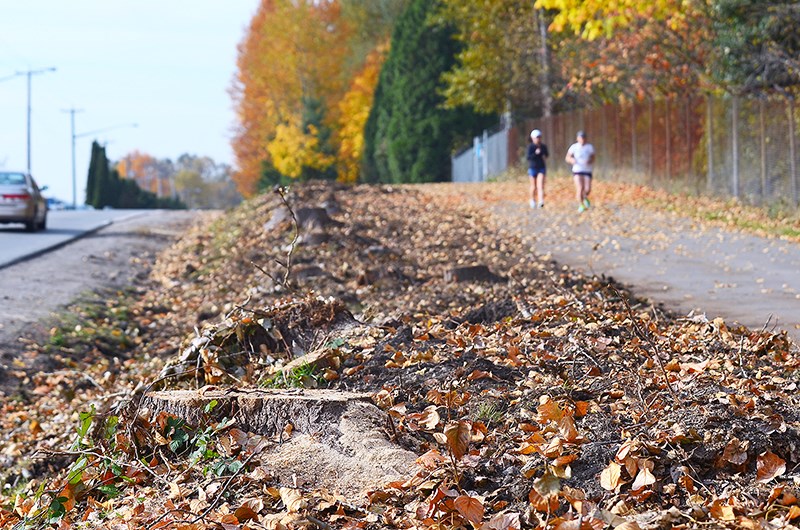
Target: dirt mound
[(550, 400)]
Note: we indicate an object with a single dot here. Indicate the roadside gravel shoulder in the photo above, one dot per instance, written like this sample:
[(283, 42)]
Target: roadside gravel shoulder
[(118, 256)]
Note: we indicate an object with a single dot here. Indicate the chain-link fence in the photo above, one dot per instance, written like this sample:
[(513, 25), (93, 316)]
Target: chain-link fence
[(726, 146)]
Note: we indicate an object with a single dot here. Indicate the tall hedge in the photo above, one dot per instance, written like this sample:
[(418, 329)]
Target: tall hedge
[(105, 187), (409, 136)]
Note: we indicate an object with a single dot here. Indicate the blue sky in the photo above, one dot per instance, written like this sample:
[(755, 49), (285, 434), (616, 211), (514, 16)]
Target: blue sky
[(165, 65)]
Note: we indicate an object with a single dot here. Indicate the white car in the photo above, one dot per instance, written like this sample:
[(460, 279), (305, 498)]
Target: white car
[(21, 201)]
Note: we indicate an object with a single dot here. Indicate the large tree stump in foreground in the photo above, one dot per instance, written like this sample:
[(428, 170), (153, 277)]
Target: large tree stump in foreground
[(339, 439)]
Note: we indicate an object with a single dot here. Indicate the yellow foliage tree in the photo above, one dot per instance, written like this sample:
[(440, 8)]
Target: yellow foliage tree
[(592, 19), (292, 52), (353, 112), (294, 149)]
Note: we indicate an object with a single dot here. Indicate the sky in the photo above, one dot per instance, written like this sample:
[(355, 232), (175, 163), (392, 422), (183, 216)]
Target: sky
[(150, 75)]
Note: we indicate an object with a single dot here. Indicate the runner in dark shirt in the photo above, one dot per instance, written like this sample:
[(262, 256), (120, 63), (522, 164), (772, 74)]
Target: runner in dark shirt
[(537, 168)]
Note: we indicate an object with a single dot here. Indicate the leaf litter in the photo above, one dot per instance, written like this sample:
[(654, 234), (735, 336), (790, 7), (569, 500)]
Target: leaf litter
[(549, 400)]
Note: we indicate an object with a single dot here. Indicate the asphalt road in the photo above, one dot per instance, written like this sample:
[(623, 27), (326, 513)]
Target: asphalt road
[(114, 256), (63, 226), (672, 260)]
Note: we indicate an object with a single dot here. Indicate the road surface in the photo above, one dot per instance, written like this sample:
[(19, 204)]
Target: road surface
[(111, 257), (62, 226), (670, 259)]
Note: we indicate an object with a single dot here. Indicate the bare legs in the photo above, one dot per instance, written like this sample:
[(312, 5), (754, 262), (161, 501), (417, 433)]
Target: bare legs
[(583, 185), (536, 190)]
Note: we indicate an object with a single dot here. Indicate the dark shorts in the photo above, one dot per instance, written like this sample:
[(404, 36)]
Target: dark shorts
[(583, 174), (533, 171)]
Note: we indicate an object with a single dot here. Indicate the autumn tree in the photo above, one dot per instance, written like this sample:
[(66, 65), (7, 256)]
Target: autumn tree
[(151, 174), (409, 135), (354, 109), (290, 64), (111, 189), (504, 64), (758, 43), (631, 49)]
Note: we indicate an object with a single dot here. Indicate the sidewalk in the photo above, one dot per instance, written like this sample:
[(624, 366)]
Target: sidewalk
[(684, 264)]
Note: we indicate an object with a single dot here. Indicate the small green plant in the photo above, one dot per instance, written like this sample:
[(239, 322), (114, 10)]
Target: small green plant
[(303, 376), (488, 413)]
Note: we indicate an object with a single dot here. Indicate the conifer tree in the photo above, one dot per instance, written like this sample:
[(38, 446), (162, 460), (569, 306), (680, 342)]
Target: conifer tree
[(409, 136)]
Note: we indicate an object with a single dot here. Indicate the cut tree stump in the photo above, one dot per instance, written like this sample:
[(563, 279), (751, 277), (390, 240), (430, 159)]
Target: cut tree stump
[(258, 410), (475, 273), (339, 440)]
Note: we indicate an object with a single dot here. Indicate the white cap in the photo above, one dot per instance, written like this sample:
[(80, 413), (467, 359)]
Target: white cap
[(536, 133)]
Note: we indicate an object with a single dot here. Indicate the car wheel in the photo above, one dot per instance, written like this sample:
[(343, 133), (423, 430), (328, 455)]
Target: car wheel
[(32, 225), (43, 224)]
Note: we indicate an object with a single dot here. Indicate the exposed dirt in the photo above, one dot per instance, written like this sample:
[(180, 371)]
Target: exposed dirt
[(86, 271), (550, 400)]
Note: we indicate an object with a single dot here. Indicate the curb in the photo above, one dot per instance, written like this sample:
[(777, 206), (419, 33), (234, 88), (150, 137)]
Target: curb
[(60, 244)]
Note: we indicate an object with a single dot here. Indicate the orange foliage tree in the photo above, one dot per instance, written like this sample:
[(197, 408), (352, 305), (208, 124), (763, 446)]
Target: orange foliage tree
[(292, 53), (633, 49), (150, 174)]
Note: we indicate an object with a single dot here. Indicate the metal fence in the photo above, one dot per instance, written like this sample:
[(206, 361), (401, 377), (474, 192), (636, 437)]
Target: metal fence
[(487, 157), (724, 146)]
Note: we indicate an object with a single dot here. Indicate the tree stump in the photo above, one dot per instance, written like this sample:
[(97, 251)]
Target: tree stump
[(339, 439), (475, 273)]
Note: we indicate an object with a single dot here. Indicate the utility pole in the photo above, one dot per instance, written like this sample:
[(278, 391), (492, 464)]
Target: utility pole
[(72, 112), (29, 74)]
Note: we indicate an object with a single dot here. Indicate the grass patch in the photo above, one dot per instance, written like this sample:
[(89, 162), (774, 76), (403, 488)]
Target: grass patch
[(304, 376)]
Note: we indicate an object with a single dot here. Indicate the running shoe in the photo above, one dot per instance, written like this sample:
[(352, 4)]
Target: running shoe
[(532, 204), (541, 205), (586, 203), (581, 208)]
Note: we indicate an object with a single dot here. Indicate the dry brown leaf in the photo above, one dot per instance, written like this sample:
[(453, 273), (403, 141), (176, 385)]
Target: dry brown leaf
[(541, 503), (293, 499), (470, 508), (428, 419), (458, 438), (502, 521), (722, 511), (431, 459), (735, 451), (245, 513), (645, 476), (548, 410), (768, 466), (611, 477)]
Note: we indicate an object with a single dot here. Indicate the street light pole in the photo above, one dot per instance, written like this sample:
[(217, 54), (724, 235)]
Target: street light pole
[(30, 73), (72, 112)]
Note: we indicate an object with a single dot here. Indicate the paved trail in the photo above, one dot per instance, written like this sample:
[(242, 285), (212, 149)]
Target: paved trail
[(668, 258)]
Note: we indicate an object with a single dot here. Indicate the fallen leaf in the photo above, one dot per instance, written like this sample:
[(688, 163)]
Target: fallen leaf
[(470, 508), (722, 511), (503, 521), (645, 476), (458, 437), (611, 477), (293, 499), (768, 466)]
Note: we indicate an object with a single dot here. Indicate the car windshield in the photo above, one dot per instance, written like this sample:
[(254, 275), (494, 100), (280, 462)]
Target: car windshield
[(10, 179)]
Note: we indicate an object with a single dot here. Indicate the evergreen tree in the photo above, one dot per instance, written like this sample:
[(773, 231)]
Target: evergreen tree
[(90, 181), (409, 135), (105, 187)]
